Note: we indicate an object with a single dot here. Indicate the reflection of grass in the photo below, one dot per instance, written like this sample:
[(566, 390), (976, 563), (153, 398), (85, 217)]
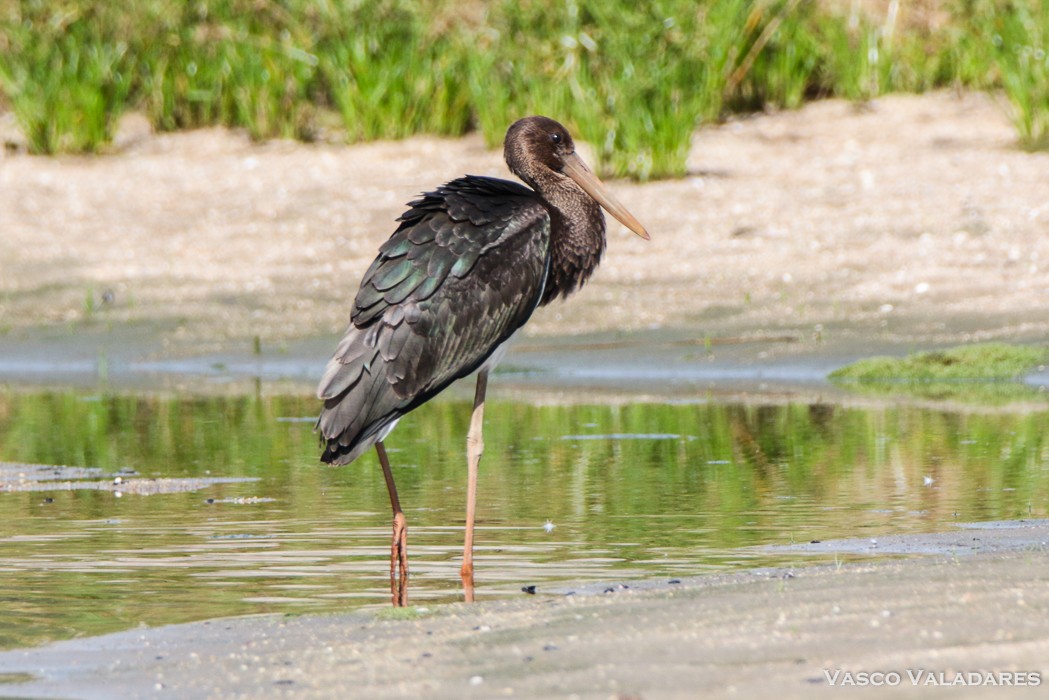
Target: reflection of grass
[(984, 373), (745, 475), (988, 393)]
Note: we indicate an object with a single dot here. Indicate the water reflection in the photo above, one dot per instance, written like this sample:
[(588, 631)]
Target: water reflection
[(634, 490)]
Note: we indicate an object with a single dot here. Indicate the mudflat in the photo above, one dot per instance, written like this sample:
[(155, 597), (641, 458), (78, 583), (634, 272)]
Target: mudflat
[(967, 620)]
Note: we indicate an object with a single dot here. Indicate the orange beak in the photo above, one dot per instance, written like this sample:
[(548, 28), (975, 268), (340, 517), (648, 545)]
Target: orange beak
[(576, 169)]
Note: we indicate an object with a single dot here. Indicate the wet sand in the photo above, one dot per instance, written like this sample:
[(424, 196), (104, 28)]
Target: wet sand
[(973, 608)]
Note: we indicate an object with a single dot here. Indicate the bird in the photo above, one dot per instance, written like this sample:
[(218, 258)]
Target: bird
[(467, 265)]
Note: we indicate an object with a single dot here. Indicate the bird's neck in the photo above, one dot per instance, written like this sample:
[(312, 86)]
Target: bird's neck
[(577, 240)]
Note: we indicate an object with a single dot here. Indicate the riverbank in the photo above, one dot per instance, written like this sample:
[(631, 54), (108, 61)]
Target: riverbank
[(971, 609)]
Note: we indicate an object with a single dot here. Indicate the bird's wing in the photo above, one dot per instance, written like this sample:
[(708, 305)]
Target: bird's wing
[(465, 269)]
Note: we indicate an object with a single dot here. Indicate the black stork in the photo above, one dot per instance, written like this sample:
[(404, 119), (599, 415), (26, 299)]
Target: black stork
[(462, 273)]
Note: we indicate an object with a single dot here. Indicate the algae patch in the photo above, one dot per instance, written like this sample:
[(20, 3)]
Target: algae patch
[(989, 362), (987, 374)]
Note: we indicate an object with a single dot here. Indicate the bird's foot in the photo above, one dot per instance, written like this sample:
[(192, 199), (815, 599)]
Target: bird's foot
[(399, 561)]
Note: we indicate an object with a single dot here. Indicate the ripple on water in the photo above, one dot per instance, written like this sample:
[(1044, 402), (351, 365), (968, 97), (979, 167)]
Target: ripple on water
[(223, 508)]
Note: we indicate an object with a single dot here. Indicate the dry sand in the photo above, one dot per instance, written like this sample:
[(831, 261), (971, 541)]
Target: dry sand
[(913, 219)]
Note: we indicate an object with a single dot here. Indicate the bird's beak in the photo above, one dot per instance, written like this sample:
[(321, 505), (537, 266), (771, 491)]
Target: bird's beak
[(576, 169)]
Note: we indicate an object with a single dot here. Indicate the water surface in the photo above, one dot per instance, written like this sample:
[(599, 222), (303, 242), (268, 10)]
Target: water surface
[(567, 494)]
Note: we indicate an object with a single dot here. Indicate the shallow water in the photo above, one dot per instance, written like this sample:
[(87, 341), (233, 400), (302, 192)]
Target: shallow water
[(567, 494)]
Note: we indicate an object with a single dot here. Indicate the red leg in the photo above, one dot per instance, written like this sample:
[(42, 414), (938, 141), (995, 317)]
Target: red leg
[(399, 546)]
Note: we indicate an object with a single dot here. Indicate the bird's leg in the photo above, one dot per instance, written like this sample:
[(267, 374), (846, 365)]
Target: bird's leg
[(399, 547), (474, 450)]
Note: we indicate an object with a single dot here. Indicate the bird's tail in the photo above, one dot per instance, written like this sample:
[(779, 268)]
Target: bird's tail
[(360, 404)]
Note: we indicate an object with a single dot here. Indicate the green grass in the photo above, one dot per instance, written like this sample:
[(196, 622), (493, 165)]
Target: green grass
[(987, 362), (234, 63), (633, 78), (66, 78), (404, 614), (395, 78), (1023, 54), (985, 374)]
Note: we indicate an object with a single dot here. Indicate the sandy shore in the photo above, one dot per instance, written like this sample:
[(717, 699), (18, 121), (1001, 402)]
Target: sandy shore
[(913, 220), (975, 609)]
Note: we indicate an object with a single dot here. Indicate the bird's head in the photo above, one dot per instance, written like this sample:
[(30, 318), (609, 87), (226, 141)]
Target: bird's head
[(540, 150)]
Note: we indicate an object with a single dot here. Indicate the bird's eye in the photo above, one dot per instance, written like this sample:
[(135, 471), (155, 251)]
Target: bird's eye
[(555, 137)]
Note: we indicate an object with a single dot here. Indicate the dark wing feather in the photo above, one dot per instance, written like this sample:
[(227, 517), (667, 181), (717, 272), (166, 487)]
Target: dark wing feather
[(464, 270)]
